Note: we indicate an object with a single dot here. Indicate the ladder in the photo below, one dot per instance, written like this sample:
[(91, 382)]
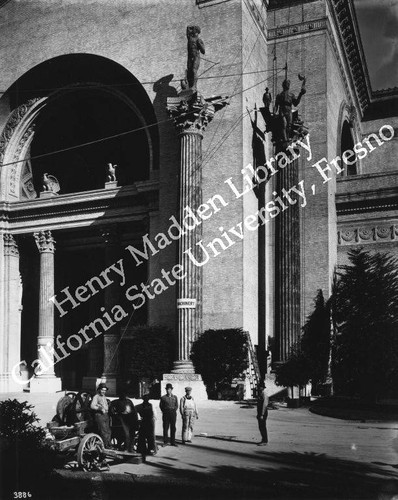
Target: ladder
[(253, 369)]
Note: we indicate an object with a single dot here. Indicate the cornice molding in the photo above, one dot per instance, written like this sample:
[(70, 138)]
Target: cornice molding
[(81, 209), (345, 21)]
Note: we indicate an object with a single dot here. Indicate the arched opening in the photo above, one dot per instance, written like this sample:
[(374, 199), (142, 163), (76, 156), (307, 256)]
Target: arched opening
[(81, 116), (347, 143), (84, 99)]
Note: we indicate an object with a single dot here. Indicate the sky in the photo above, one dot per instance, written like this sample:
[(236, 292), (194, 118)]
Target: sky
[(378, 24)]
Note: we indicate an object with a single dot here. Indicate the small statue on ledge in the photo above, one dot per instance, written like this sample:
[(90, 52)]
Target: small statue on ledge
[(50, 183), (195, 48), (111, 171)]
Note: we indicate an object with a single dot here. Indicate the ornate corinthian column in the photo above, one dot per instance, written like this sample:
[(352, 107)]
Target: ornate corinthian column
[(191, 113), (45, 380)]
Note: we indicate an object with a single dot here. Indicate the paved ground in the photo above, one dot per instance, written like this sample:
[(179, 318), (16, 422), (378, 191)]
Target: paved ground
[(308, 456)]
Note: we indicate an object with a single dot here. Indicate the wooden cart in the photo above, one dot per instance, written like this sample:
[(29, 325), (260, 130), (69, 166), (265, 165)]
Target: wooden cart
[(90, 451)]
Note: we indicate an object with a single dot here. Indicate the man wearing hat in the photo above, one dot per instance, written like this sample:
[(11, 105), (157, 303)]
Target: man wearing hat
[(100, 406), (189, 414), (262, 413), (169, 405)]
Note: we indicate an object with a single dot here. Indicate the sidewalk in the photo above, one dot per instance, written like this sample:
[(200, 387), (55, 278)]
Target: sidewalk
[(308, 456)]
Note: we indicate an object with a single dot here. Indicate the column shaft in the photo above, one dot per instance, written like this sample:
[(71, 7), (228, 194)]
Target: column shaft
[(189, 289), (287, 267), (111, 298), (45, 340)]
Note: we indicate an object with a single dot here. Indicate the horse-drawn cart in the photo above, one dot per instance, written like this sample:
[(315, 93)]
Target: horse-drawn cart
[(71, 431)]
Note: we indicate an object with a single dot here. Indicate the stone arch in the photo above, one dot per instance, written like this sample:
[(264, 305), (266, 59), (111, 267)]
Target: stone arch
[(30, 99), (348, 124)]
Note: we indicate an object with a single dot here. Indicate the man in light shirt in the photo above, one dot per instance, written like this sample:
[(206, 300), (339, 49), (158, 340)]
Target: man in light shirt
[(189, 414), (100, 406)]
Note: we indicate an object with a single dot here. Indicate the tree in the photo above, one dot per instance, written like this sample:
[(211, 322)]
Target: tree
[(315, 341), (295, 371), (308, 358), (220, 356), (25, 456), (365, 315)]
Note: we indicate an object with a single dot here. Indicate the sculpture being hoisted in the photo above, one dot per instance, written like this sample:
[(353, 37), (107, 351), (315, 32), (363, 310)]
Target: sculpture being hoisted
[(284, 123)]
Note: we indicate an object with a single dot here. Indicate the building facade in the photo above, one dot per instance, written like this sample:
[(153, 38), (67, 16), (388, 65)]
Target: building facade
[(90, 85)]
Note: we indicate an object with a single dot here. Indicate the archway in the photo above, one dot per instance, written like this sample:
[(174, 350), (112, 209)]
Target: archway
[(64, 103), (347, 143)]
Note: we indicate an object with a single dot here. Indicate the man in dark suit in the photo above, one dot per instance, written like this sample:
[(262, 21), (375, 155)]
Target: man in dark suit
[(169, 406)]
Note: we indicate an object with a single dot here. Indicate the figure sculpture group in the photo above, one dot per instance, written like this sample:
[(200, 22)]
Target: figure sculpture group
[(284, 123)]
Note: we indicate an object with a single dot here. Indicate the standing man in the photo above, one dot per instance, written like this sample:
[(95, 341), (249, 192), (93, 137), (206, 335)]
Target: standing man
[(189, 413), (262, 413), (123, 409), (146, 435), (100, 406), (169, 406)]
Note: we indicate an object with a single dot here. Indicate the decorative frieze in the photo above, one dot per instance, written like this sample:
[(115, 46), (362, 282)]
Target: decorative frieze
[(370, 234), (297, 29)]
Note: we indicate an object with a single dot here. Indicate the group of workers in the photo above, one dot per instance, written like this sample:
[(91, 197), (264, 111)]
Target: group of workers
[(129, 418), (128, 415)]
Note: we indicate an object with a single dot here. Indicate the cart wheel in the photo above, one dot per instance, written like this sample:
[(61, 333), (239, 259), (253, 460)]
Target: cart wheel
[(90, 453)]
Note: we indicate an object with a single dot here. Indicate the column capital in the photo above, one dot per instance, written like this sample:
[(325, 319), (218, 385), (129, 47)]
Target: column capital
[(45, 241), (192, 113), (10, 245)]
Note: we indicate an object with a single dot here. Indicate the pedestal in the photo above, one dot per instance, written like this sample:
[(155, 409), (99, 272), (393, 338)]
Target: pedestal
[(111, 185), (181, 380), (47, 194), (45, 384)]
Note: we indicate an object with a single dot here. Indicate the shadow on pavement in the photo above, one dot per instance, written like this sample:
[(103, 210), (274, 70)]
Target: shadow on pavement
[(287, 475)]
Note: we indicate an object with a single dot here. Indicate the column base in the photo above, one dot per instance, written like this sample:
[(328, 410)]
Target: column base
[(111, 185), (183, 367), (45, 384), (182, 380), (111, 383), (47, 194)]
